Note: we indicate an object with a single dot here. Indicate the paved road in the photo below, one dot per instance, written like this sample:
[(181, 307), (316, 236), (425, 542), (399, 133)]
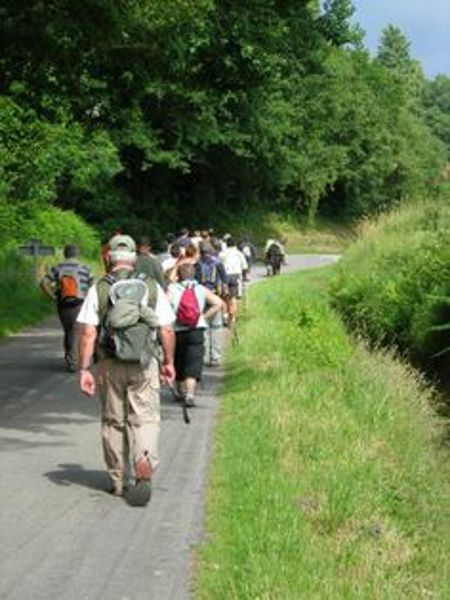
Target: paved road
[(62, 536)]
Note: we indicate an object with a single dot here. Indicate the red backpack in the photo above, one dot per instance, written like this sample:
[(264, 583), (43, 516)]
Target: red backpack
[(188, 311)]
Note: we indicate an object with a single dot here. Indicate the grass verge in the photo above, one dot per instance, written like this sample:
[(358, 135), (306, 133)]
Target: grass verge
[(329, 477)]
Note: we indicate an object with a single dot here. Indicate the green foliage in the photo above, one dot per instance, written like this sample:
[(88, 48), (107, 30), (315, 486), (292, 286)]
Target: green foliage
[(21, 302), (391, 284), (148, 115), (326, 463), (37, 156), (436, 107), (51, 225)]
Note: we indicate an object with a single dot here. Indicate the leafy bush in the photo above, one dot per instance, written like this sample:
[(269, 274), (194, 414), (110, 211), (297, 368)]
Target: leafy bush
[(392, 284), (49, 224), (21, 302)]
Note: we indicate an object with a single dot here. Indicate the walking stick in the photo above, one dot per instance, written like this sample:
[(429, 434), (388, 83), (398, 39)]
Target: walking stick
[(186, 417)]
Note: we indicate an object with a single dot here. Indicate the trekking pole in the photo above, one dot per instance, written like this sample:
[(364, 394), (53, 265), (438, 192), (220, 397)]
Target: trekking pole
[(186, 417)]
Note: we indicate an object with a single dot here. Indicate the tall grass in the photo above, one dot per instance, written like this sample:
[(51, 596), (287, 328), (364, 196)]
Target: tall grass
[(392, 284), (327, 479), (324, 237)]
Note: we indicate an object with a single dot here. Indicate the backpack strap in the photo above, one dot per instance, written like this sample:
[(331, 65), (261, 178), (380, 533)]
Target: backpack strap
[(103, 286)]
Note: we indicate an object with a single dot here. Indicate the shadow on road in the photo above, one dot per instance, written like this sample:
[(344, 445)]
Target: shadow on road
[(75, 474)]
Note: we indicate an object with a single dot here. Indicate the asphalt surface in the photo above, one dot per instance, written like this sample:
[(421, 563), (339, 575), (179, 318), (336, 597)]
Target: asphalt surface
[(62, 536)]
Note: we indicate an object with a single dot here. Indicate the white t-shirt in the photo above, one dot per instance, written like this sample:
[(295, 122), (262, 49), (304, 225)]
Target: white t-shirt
[(168, 263), (233, 261), (88, 314)]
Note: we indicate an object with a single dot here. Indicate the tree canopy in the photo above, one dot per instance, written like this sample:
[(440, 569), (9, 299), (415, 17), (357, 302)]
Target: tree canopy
[(147, 115)]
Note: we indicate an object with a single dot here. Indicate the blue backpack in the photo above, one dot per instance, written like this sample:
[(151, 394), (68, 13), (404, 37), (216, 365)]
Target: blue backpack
[(209, 277)]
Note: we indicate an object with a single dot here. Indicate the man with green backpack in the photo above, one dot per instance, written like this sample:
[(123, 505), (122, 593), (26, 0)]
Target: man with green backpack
[(67, 284), (127, 321)]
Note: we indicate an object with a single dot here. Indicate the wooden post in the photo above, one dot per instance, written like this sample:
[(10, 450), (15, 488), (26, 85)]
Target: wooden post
[(35, 249)]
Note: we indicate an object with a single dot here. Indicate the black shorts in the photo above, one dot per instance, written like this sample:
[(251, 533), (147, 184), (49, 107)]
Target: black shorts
[(233, 286), (189, 351)]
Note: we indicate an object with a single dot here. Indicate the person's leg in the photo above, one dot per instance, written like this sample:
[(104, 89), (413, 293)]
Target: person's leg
[(191, 385), (112, 395), (180, 351), (207, 359), (143, 420), (68, 316), (215, 338), (193, 367), (232, 309)]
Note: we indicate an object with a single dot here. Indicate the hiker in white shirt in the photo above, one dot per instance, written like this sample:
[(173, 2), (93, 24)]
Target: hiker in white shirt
[(235, 264)]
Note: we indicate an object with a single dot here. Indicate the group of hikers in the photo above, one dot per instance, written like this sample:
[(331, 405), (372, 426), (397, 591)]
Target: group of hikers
[(148, 320)]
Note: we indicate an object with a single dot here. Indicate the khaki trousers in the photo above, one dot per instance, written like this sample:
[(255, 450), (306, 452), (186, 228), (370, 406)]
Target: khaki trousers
[(130, 414)]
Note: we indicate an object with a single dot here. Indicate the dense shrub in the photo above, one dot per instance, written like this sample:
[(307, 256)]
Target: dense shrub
[(393, 283), (49, 224), (21, 301)]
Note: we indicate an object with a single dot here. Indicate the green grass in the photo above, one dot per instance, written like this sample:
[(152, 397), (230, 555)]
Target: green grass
[(328, 478), (324, 238), (393, 283)]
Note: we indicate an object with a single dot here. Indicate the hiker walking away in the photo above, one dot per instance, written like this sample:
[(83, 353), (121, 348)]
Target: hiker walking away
[(105, 249), (210, 273), (169, 266), (249, 251), (190, 256), (197, 238), (148, 264), (189, 300), (165, 254), (67, 284), (183, 239), (123, 317), (235, 264), (274, 257)]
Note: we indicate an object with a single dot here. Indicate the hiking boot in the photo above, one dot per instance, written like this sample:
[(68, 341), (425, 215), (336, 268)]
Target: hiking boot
[(141, 493)]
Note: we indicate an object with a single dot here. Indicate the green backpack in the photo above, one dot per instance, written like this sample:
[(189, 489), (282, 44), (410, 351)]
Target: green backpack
[(129, 326)]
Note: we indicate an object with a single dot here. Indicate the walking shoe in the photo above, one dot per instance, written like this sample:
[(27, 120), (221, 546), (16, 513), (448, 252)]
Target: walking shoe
[(141, 493)]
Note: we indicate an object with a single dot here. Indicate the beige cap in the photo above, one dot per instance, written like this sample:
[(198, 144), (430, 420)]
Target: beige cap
[(122, 242)]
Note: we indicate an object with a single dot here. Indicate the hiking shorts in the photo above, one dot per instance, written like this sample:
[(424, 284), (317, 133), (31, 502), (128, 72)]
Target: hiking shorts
[(234, 287), (189, 351)]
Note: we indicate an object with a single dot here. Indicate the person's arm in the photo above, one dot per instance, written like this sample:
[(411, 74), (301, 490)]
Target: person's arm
[(168, 344), (214, 304), (166, 318), (88, 335)]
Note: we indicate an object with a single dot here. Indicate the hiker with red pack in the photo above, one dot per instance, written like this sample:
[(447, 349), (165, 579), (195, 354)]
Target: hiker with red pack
[(193, 305), (67, 285)]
